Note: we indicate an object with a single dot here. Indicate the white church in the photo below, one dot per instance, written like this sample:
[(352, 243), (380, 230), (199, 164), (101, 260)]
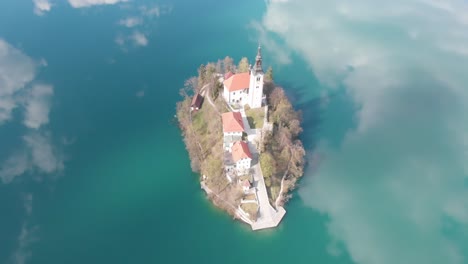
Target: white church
[(246, 88)]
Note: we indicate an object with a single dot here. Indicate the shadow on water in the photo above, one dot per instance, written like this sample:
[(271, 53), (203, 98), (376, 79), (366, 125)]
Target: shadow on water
[(312, 112), (327, 116)]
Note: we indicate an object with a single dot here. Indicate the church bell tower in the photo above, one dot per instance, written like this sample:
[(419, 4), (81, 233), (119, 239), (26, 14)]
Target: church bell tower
[(256, 81)]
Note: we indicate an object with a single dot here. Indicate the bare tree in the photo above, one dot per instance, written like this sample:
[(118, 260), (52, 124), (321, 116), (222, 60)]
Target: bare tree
[(228, 64), (219, 66)]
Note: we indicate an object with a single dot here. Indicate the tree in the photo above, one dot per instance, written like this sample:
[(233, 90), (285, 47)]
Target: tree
[(297, 159), (183, 92), (219, 66), (283, 136), (201, 75), (269, 74), (266, 141), (243, 65), (268, 88), (228, 64), (268, 164), (283, 113), (191, 85), (268, 182), (295, 127), (212, 166), (276, 96), (210, 71), (283, 158)]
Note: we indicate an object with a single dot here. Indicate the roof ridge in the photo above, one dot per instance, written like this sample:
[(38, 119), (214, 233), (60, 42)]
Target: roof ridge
[(238, 81), (232, 122)]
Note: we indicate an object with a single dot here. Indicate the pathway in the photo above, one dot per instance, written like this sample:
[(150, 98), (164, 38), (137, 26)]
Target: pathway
[(205, 92), (267, 217)]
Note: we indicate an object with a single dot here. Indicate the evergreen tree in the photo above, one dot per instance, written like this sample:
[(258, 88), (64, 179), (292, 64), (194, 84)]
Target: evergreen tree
[(269, 75), (243, 65)]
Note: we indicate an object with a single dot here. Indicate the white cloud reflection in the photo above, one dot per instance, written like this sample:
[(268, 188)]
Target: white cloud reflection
[(16, 70), (37, 106), (131, 22), (18, 90), (395, 190), (41, 7), (139, 39), (88, 3), (27, 235)]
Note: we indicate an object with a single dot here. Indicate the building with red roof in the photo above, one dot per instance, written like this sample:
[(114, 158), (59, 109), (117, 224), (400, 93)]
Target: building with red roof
[(236, 88), (238, 160), (240, 150), (247, 87), (232, 122), (228, 75), (233, 127), (241, 156), (237, 82)]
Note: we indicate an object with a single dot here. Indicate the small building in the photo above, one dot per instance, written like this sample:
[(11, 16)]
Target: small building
[(197, 102), (233, 127), (238, 160), (241, 156), (246, 186)]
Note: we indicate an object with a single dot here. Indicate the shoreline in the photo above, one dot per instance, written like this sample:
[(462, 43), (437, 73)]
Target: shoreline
[(248, 158), (239, 214)]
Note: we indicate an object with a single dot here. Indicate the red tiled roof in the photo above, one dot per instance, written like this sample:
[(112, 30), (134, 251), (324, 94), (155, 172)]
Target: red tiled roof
[(238, 81), (240, 150), (232, 122), (228, 75)]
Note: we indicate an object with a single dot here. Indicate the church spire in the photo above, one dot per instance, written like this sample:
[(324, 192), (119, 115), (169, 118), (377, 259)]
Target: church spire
[(258, 61)]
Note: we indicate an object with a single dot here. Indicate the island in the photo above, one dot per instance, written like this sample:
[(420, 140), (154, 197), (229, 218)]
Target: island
[(242, 135)]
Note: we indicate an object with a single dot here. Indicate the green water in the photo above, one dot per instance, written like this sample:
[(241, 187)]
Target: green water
[(126, 193)]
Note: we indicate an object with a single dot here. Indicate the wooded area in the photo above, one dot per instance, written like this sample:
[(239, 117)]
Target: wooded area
[(282, 153)]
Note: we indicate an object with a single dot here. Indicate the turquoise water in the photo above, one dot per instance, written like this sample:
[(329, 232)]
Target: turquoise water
[(126, 193)]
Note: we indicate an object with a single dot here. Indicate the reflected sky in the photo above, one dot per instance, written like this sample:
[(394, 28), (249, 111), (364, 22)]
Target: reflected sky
[(395, 189), (384, 95)]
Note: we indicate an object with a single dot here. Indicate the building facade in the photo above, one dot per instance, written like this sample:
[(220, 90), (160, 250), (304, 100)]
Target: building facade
[(233, 127), (246, 88), (256, 82), (241, 157)]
